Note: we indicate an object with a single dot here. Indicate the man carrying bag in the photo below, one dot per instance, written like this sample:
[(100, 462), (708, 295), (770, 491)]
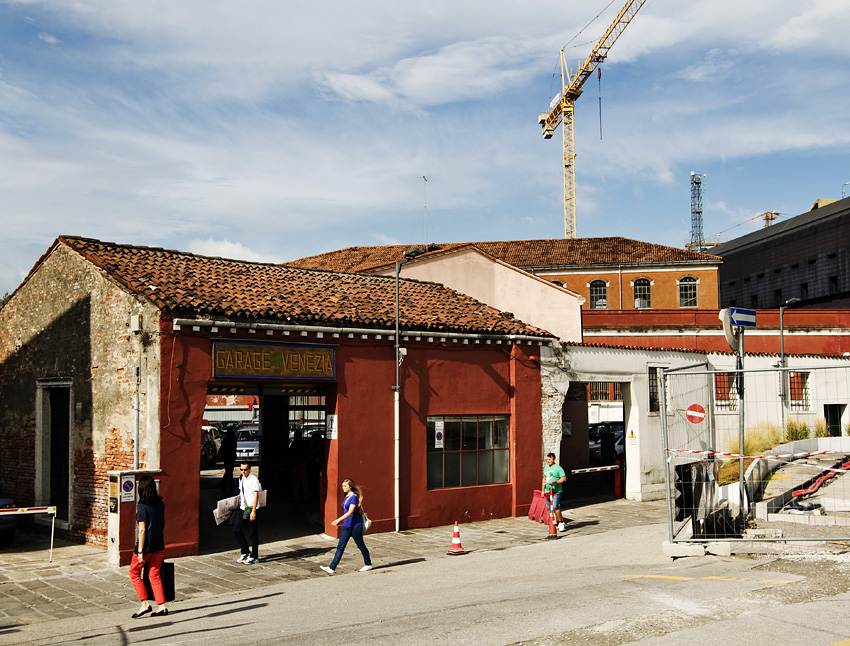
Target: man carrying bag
[(246, 515)]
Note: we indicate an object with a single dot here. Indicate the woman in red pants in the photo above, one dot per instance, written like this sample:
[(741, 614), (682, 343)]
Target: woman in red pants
[(150, 547)]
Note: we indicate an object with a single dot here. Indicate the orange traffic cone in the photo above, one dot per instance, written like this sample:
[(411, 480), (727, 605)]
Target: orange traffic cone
[(553, 528), (456, 547)]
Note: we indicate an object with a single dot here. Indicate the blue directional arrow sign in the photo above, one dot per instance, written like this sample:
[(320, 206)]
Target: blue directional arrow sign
[(742, 318)]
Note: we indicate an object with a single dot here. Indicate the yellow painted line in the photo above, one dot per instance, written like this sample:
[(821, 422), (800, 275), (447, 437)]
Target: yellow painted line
[(846, 642), (709, 578), (729, 578), (658, 576)]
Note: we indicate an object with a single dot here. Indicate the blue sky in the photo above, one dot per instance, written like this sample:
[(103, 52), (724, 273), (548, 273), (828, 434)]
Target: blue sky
[(270, 130)]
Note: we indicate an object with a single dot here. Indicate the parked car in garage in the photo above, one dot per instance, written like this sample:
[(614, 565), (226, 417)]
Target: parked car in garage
[(8, 523), (209, 447), (248, 443), (595, 439)]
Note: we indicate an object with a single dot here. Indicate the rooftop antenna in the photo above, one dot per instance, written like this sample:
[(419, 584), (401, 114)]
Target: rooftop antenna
[(425, 203), (697, 241)]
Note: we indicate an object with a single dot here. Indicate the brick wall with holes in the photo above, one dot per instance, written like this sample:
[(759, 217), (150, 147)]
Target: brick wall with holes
[(67, 383)]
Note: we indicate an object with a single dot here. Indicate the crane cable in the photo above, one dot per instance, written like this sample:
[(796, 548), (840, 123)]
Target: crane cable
[(578, 33), (760, 215)]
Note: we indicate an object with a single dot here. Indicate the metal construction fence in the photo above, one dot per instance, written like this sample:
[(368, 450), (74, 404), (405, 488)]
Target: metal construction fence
[(784, 433)]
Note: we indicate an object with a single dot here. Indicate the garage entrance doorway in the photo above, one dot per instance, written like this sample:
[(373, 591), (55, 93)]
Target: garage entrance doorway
[(284, 442)]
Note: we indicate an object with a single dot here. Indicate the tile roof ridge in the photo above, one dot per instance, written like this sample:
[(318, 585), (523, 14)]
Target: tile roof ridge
[(176, 252)]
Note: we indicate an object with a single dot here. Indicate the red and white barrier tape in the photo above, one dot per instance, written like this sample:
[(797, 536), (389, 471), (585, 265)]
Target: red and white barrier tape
[(28, 510), (592, 469), (780, 456)]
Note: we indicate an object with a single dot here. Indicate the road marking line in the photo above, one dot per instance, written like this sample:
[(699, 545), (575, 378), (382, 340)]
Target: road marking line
[(658, 576), (730, 578), (707, 578)]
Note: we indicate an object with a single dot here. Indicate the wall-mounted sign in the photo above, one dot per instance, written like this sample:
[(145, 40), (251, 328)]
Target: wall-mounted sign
[(695, 413), (331, 427), (271, 361), (439, 426), (128, 488)]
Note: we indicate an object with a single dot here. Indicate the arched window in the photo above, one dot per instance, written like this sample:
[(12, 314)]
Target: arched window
[(598, 295), (643, 293), (688, 292)]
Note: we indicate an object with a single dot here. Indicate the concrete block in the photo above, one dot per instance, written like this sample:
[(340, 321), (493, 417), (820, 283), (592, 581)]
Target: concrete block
[(719, 548), (679, 550)]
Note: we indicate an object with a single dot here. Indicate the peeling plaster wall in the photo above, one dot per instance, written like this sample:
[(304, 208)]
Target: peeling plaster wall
[(68, 327), (554, 384)]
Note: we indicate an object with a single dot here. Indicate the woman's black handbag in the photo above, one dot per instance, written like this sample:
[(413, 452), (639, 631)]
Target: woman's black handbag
[(167, 576)]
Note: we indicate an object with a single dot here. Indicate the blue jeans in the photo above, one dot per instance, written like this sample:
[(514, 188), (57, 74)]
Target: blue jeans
[(344, 534), (555, 502)]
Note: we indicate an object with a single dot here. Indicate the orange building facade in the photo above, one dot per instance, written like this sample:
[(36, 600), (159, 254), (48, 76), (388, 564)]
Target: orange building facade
[(642, 287)]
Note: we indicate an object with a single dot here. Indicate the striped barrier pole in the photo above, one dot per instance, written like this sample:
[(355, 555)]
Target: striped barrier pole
[(12, 511)]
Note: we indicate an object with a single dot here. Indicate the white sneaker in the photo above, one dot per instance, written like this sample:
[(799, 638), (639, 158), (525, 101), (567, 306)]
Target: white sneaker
[(366, 568), (325, 568), (243, 558), (251, 561), (562, 527)]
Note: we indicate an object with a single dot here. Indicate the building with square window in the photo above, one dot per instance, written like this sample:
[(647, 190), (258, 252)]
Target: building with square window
[(611, 273), (114, 355), (806, 257)]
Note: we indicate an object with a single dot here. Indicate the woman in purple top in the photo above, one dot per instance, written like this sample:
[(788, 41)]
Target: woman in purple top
[(352, 525)]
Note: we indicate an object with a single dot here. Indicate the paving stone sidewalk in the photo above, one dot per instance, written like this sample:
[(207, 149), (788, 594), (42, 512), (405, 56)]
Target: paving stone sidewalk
[(79, 582)]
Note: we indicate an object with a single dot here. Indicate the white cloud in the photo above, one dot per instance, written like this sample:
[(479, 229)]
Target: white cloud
[(227, 249), (48, 38), (277, 130)]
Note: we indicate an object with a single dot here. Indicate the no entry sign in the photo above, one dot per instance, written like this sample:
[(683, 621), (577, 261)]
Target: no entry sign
[(695, 413)]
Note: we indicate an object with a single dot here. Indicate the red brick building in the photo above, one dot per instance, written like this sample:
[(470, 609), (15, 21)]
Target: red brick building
[(611, 273), (109, 352)]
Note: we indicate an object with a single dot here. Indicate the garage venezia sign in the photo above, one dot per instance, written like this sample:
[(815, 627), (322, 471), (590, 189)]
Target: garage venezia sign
[(266, 360)]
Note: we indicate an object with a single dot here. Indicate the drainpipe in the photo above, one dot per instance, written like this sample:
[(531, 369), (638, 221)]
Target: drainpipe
[(396, 410), (620, 276), (136, 419), (136, 329), (400, 353)]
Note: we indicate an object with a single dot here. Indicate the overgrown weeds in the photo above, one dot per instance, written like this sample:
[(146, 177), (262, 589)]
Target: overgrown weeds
[(796, 430), (820, 427)]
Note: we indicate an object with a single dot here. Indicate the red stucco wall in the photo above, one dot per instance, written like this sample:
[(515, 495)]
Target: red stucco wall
[(806, 331), (437, 379), (186, 370)]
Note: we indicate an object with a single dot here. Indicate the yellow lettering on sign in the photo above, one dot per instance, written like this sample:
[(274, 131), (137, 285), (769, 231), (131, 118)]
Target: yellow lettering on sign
[(234, 359)]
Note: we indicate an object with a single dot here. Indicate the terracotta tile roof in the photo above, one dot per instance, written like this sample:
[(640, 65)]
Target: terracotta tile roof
[(192, 286), (558, 252)]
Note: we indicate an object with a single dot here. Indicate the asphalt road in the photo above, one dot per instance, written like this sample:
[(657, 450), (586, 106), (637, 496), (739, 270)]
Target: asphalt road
[(609, 588)]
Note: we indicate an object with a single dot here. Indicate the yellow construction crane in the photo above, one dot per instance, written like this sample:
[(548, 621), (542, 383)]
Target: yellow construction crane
[(561, 107)]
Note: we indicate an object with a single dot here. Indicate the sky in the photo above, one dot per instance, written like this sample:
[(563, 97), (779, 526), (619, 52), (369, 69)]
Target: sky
[(269, 131)]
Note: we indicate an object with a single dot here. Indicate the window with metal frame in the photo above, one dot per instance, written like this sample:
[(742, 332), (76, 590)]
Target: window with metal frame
[(468, 450), (643, 293), (725, 392), (603, 391), (598, 295), (798, 389), (688, 292), (654, 375)]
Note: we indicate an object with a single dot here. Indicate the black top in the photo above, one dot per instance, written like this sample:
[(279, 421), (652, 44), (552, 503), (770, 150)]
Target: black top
[(153, 516)]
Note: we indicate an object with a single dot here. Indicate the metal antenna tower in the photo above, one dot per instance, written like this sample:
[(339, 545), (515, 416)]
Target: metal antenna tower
[(697, 241)]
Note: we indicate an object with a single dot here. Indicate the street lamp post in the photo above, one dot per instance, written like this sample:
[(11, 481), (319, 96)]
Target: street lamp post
[(783, 388), (408, 255)]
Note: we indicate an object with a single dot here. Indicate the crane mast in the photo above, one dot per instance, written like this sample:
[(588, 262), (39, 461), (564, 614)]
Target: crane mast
[(562, 106)]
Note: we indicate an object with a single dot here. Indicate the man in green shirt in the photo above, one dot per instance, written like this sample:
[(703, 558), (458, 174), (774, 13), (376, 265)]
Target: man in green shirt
[(554, 477)]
